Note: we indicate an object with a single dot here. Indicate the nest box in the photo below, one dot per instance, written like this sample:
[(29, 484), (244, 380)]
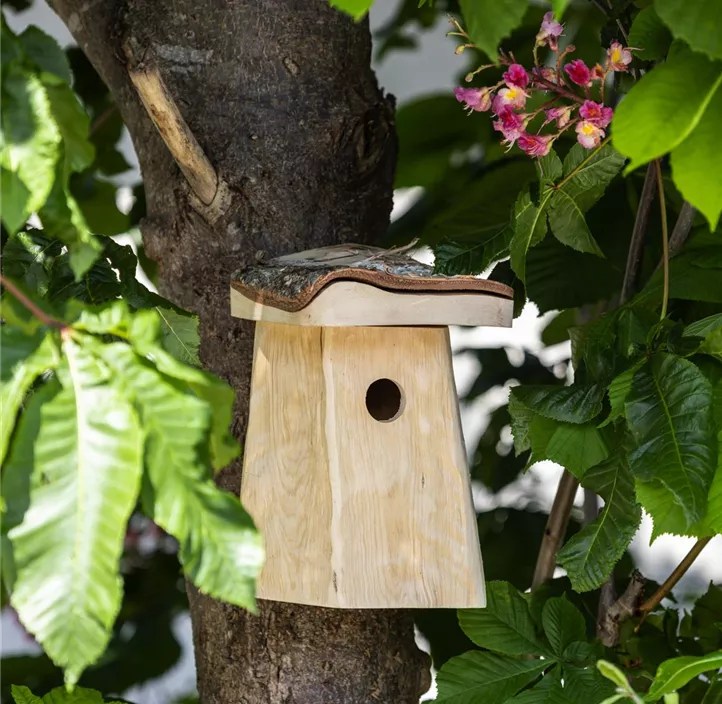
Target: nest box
[(355, 469)]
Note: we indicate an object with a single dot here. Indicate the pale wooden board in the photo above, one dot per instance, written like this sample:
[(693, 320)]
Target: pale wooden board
[(357, 513), (353, 303)]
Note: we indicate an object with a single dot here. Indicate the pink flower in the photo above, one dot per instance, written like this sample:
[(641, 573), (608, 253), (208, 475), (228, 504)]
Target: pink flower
[(510, 98), (588, 134), (597, 73), (535, 144), (550, 30), (618, 57), (578, 72), (516, 75), (596, 113), (511, 125), (562, 115), (475, 99)]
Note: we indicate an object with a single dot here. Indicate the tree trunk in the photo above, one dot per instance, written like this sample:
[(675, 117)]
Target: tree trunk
[(281, 98)]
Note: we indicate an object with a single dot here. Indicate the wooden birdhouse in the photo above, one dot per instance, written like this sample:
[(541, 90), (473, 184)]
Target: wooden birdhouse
[(355, 469)]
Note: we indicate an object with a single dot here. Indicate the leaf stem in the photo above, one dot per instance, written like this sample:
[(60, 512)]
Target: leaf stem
[(665, 238), (650, 604), (639, 233), (581, 165), (555, 529), (41, 315), (682, 228)]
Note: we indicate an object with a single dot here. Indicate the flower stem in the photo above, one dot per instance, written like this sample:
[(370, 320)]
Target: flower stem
[(665, 238), (41, 315), (576, 170)]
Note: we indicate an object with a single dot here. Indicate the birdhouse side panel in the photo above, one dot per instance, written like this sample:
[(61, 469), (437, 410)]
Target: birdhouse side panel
[(285, 485)]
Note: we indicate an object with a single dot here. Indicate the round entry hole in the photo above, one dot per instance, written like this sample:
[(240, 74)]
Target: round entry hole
[(384, 400)]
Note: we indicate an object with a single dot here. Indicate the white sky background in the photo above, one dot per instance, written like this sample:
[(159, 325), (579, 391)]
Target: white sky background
[(410, 74)]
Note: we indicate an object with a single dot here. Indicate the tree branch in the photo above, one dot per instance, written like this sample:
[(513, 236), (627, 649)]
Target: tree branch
[(40, 314), (555, 529), (650, 604), (619, 611), (681, 230), (182, 144), (639, 233)]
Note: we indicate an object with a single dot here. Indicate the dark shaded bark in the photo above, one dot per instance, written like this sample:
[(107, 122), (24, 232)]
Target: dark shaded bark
[(281, 98)]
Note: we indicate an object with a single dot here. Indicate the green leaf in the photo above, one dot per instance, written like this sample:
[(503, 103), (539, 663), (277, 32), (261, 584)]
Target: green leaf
[(74, 125), (712, 344), (79, 695), (30, 147), (572, 404), (505, 625), (676, 108), (614, 674), (83, 448), (180, 334), (28, 257), (521, 418), (619, 391), (63, 220), (701, 328), (695, 22), (220, 548), (576, 448), (22, 695), (46, 53), (587, 176), (675, 673), (563, 624), (667, 515), (549, 169), (476, 228), (24, 359), (585, 684), (216, 393), (650, 35), (356, 8), (669, 413), (591, 554), (490, 21), (480, 676), (548, 690), (530, 228)]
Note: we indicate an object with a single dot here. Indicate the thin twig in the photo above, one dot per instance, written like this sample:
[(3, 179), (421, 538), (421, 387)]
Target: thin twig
[(555, 529), (40, 314), (650, 604), (682, 228), (104, 116), (639, 233), (665, 238)]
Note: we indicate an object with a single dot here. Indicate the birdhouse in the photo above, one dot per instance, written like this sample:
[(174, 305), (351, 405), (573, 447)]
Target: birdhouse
[(355, 469)]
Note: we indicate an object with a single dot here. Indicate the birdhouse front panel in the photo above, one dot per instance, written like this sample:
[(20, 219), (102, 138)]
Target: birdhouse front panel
[(355, 469)]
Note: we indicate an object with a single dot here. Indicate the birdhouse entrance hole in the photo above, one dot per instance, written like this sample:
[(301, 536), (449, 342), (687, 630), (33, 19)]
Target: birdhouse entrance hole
[(384, 400)]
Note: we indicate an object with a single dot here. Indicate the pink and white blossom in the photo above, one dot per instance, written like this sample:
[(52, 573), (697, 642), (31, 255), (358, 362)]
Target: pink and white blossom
[(516, 75), (588, 134), (474, 99), (511, 125), (560, 115), (535, 144), (618, 57), (596, 113), (578, 72), (549, 32), (509, 98)]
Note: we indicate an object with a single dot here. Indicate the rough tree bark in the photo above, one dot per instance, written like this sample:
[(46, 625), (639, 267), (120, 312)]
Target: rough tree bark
[(281, 98)]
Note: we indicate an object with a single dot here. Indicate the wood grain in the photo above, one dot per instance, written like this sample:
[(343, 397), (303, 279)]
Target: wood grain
[(352, 303), (358, 513)]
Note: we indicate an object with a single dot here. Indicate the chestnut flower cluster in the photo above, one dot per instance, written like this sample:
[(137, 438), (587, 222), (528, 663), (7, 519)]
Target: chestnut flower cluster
[(566, 108)]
